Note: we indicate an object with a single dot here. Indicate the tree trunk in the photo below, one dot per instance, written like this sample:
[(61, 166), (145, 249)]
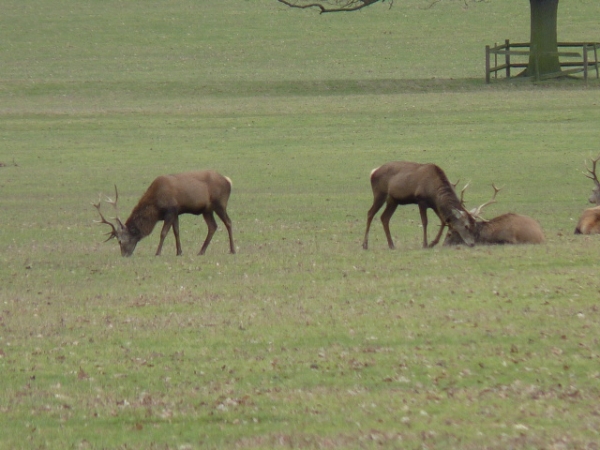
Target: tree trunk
[(544, 49)]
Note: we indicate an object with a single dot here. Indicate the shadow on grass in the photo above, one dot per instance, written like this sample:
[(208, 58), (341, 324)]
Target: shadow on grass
[(383, 86), (276, 88), (344, 87)]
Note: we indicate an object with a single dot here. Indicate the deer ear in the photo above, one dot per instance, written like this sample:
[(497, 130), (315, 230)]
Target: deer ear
[(458, 213)]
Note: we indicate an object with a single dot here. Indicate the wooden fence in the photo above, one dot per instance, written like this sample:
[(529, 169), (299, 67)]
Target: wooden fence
[(582, 63)]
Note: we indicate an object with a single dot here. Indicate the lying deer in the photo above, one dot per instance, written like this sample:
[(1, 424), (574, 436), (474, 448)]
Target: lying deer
[(509, 228), (589, 222), (402, 183), (167, 197)]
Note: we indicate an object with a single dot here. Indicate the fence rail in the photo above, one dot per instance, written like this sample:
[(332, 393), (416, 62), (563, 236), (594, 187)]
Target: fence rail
[(583, 63)]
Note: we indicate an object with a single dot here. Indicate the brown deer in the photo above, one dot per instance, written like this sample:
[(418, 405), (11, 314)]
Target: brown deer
[(426, 185), (509, 228), (204, 192), (589, 222)]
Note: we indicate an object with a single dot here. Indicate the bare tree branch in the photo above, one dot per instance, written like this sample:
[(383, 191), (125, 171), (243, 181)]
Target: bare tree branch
[(332, 5)]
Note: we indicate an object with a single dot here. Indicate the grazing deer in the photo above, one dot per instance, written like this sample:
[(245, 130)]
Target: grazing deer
[(168, 196), (589, 222), (595, 196), (426, 185), (509, 228)]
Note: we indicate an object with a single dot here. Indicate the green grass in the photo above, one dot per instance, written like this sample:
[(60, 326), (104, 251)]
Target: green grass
[(302, 339)]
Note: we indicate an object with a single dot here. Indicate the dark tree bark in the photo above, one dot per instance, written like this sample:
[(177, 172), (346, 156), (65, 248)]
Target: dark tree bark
[(544, 49)]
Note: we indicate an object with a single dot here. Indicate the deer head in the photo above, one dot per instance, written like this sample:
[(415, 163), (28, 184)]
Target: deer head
[(464, 225), (476, 222), (595, 196), (127, 242)]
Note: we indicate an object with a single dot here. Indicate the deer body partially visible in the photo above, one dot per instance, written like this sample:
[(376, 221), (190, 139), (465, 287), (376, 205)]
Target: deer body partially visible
[(426, 185), (509, 228), (202, 192), (589, 222)]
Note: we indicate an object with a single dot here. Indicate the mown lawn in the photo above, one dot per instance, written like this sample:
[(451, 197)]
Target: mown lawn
[(301, 339)]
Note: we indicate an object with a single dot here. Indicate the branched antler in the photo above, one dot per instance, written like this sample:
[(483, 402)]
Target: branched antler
[(592, 172), (111, 234), (114, 232), (114, 203), (462, 194), (476, 212)]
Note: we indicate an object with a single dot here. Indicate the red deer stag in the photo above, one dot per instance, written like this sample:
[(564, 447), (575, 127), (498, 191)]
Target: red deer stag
[(204, 192), (509, 228), (426, 185)]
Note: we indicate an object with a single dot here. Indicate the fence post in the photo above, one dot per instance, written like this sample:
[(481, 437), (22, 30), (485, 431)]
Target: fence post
[(507, 57), (596, 59), (585, 62), (487, 64), (495, 60)]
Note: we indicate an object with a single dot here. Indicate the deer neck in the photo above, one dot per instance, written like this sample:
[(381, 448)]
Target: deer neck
[(142, 220), (446, 201)]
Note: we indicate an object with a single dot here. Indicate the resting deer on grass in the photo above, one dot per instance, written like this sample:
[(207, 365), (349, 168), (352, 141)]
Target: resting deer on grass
[(589, 222), (509, 228), (204, 192), (426, 185)]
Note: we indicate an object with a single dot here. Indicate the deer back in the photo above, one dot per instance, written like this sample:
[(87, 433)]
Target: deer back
[(409, 182), (512, 228), (188, 192), (509, 228), (397, 179), (589, 222)]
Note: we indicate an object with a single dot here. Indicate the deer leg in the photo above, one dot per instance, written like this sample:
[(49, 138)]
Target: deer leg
[(377, 204), (163, 234), (385, 220), (423, 212), (176, 233), (211, 223), (439, 235), (227, 221)]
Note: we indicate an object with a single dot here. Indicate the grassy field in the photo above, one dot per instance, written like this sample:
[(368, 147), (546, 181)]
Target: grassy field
[(301, 339)]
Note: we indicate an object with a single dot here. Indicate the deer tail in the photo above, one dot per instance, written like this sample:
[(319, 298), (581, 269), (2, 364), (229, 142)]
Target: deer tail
[(373, 172)]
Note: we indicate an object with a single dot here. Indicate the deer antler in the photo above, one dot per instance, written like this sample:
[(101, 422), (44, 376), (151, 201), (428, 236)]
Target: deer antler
[(592, 172), (462, 194), (111, 234), (476, 212), (114, 203)]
